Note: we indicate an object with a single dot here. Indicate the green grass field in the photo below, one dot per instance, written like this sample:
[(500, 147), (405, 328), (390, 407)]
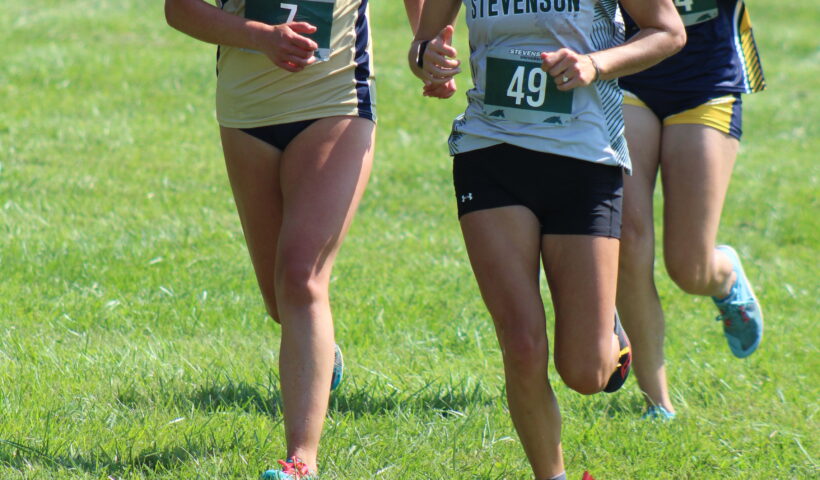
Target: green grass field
[(134, 343)]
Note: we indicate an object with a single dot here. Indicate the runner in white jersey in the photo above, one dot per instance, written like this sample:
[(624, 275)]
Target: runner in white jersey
[(538, 169), (591, 127)]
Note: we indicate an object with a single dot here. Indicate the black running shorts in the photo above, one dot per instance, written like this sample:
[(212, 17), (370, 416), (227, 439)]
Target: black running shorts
[(568, 196)]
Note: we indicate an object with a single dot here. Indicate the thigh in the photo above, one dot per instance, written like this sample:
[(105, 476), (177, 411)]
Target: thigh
[(323, 174), (643, 135), (253, 171), (582, 272), (504, 249), (696, 166)]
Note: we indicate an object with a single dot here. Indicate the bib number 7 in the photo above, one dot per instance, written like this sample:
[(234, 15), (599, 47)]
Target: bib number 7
[(318, 13)]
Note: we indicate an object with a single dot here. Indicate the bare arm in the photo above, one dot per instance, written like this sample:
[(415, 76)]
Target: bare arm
[(661, 34), (413, 8), (436, 15), (283, 43)]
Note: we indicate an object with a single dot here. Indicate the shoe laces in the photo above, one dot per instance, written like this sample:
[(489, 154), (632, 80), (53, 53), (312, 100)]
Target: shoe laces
[(294, 466), (731, 310)]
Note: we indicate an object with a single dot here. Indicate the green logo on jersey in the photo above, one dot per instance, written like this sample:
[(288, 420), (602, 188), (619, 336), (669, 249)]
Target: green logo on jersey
[(494, 8)]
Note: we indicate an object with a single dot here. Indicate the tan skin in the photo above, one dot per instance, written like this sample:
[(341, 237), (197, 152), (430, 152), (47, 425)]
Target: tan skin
[(296, 206), (695, 164), (506, 248)]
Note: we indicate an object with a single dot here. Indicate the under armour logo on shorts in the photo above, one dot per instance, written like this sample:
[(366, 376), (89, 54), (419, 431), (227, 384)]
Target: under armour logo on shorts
[(464, 198)]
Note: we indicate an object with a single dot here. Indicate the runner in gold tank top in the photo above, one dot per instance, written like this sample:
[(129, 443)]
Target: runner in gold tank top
[(296, 109)]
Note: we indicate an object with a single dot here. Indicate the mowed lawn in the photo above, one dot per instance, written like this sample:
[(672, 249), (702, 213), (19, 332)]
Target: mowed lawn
[(134, 342)]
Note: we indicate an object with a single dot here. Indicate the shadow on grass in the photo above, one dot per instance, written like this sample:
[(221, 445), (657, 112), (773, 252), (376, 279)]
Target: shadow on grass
[(372, 398), (20, 457), (442, 399)]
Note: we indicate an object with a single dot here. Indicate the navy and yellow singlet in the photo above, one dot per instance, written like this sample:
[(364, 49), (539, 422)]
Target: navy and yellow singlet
[(720, 55)]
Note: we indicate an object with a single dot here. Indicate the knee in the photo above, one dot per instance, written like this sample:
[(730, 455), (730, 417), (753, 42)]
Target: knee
[(637, 249), (297, 283), (525, 355), (270, 305), (583, 372), (690, 274)]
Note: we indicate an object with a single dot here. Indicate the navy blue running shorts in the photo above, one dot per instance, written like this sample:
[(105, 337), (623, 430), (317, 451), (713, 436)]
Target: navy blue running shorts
[(280, 135), (567, 195)]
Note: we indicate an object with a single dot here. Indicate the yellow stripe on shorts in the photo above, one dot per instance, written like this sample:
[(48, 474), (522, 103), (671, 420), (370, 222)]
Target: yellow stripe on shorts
[(716, 113)]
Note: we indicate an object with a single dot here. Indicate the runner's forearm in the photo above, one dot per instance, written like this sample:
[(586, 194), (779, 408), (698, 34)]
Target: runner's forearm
[(210, 24), (661, 35)]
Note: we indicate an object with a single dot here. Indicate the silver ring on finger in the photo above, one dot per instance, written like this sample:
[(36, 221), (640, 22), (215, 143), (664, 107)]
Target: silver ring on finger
[(564, 79)]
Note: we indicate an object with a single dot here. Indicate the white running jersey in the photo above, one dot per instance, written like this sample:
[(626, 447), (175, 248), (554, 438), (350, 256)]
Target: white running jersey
[(514, 101)]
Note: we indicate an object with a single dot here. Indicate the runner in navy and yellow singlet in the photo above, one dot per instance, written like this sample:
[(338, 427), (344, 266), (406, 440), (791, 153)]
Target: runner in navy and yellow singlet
[(538, 165), (296, 106), (683, 117)]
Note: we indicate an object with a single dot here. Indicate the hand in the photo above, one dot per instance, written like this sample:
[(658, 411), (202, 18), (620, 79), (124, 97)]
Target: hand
[(569, 69), (286, 48), (439, 61), (443, 91)]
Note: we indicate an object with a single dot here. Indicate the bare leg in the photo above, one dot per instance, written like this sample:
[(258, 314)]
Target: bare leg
[(317, 182), (253, 170), (582, 272), (638, 303), (504, 249), (696, 166)]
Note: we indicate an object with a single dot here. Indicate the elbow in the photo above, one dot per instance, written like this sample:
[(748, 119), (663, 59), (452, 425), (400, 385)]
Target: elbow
[(171, 13), (678, 40)]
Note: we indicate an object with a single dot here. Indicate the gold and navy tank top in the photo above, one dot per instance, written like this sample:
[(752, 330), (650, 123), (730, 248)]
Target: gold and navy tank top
[(720, 54), (253, 92)]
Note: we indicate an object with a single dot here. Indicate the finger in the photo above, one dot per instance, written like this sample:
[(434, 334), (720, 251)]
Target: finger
[(568, 85), (300, 61), (290, 67), (445, 90), (436, 71), (550, 59), (438, 80), (438, 46), (446, 34), (301, 42), (443, 61), (302, 27)]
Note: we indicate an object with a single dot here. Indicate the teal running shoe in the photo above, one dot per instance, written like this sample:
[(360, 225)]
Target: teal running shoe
[(338, 369), (657, 412), (290, 469), (740, 311), (618, 377)]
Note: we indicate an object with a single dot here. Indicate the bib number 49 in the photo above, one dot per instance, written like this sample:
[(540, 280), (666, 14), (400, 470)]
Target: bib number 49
[(516, 88), (535, 83)]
